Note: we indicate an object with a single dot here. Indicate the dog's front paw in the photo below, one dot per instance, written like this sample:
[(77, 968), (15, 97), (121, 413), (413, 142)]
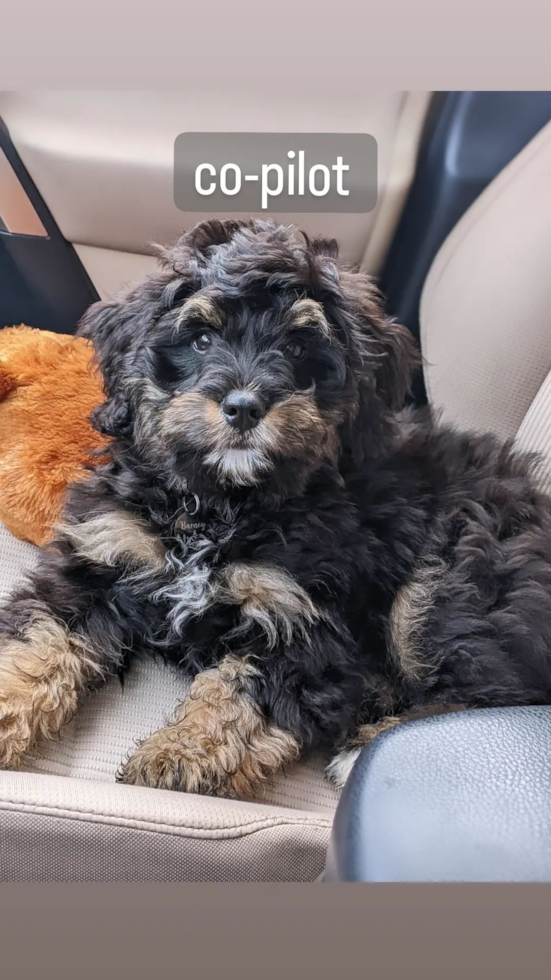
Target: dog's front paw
[(16, 731), (164, 762), (339, 769)]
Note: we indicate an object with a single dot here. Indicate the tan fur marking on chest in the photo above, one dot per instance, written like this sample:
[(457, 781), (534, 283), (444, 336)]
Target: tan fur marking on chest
[(115, 537), (269, 596)]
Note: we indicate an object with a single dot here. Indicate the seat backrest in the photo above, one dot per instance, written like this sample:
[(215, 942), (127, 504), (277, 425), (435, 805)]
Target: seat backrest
[(486, 308)]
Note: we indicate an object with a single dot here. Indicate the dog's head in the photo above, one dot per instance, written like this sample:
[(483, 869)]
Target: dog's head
[(250, 357)]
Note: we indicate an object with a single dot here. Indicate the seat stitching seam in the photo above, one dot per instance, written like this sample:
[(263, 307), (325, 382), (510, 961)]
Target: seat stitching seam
[(136, 823)]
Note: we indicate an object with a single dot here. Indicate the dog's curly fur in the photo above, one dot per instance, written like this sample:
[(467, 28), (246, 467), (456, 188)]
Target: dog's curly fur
[(348, 565)]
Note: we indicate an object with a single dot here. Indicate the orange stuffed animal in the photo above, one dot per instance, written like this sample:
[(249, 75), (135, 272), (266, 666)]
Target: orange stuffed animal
[(48, 387)]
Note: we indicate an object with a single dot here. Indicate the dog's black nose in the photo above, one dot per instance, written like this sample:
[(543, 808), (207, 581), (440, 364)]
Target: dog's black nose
[(242, 409)]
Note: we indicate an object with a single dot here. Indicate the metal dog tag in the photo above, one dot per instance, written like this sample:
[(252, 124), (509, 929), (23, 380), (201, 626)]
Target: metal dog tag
[(183, 523)]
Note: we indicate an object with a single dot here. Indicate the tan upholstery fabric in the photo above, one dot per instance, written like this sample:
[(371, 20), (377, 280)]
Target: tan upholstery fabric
[(67, 818), (486, 305), (15, 558)]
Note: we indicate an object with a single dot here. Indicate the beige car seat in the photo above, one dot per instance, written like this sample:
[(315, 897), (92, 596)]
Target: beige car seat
[(486, 335)]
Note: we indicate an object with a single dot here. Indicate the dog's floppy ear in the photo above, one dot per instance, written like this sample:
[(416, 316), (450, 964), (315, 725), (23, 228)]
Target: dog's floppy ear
[(106, 325), (383, 355), (396, 358), (117, 328)]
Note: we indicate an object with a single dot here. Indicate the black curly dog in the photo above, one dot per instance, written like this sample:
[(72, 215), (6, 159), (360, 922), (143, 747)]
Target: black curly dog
[(323, 566)]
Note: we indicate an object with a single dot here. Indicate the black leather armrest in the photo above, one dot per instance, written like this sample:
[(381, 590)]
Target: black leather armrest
[(458, 797)]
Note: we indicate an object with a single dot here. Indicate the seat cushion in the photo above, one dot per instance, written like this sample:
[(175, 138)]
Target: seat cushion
[(65, 817)]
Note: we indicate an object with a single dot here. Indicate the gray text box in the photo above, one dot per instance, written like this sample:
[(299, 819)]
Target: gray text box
[(275, 172)]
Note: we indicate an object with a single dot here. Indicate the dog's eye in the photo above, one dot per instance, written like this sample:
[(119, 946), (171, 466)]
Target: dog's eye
[(295, 349), (202, 342)]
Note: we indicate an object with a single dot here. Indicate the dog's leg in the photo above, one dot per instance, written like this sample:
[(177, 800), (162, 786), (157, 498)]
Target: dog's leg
[(246, 719), (63, 632), (44, 668), (342, 764), (219, 744)]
